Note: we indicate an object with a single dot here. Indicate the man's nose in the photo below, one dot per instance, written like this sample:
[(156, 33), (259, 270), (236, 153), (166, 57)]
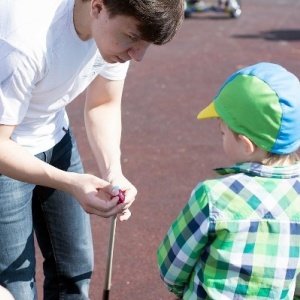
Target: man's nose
[(138, 51)]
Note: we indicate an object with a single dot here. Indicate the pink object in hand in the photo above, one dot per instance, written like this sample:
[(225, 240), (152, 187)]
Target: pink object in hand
[(121, 196)]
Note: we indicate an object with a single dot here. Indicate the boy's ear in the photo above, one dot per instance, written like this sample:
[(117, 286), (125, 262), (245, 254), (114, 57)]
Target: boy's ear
[(248, 145)]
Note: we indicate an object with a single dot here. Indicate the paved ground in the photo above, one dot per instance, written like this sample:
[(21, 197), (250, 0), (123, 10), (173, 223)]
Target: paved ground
[(166, 151)]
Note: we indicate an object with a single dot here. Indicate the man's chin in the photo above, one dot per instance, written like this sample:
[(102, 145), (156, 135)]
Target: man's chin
[(114, 59), (109, 60)]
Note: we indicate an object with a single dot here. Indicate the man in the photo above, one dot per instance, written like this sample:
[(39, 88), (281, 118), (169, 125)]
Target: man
[(51, 51)]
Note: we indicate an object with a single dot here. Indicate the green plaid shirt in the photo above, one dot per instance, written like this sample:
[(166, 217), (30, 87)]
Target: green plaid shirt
[(238, 237)]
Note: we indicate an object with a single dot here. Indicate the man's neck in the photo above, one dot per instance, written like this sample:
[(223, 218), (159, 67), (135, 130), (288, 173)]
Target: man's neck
[(81, 19)]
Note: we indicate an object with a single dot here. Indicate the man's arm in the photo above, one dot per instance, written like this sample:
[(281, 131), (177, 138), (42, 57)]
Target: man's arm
[(103, 126), (19, 164), (103, 123)]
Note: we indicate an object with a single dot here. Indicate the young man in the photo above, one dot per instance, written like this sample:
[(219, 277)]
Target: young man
[(238, 236), (51, 51)]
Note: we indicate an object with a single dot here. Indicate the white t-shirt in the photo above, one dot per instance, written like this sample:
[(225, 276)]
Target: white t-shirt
[(44, 65)]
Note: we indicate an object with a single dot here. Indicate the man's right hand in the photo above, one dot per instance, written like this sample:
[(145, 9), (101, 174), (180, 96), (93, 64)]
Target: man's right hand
[(95, 195)]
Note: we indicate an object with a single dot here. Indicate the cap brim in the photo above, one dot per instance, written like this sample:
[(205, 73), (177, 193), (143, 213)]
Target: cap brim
[(208, 112)]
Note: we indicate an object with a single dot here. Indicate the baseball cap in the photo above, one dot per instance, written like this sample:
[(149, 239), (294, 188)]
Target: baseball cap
[(262, 102)]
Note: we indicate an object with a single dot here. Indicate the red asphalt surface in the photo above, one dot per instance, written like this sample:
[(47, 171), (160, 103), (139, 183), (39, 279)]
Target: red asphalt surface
[(165, 150)]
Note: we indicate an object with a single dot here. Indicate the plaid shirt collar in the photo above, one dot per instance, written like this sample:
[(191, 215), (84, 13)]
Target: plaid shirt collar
[(256, 169)]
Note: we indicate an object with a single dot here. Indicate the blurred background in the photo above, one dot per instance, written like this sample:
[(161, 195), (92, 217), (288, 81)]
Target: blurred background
[(165, 150)]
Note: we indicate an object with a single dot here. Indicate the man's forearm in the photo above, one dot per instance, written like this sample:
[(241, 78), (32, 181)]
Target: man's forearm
[(103, 126), (17, 163)]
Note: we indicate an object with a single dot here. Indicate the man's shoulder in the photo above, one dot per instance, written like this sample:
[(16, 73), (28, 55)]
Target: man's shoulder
[(29, 26), (23, 11), (27, 20)]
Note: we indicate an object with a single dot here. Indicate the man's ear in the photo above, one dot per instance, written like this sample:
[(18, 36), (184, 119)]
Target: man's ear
[(249, 146), (96, 7)]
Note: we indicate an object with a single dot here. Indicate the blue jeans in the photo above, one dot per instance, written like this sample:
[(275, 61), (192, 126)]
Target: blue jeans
[(62, 230)]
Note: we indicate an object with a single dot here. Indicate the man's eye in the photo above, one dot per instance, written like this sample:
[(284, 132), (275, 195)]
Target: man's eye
[(133, 38)]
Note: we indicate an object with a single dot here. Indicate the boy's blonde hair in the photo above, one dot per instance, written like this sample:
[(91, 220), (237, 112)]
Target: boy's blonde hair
[(280, 159), (273, 158)]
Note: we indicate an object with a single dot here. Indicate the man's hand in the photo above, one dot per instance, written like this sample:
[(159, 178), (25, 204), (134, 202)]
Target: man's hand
[(96, 196), (130, 192)]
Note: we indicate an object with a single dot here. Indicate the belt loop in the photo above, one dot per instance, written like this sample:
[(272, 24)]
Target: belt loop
[(65, 130)]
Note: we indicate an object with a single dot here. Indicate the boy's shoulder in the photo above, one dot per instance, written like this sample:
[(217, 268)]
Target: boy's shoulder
[(226, 179), (239, 195)]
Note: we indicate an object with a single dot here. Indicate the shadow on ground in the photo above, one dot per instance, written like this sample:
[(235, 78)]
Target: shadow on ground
[(273, 35)]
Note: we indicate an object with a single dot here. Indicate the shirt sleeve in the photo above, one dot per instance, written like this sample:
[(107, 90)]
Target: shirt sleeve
[(182, 246), (17, 80)]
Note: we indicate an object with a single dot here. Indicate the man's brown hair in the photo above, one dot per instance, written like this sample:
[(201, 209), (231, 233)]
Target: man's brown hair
[(159, 20)]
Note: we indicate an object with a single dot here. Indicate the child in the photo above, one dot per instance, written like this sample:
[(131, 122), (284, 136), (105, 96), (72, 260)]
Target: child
[(238, 237)]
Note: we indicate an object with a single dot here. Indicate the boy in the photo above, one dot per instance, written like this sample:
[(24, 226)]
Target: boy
[(50, 52), (238, 237)]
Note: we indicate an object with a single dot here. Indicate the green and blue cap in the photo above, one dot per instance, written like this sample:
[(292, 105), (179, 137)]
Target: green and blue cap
[(262, 102)]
